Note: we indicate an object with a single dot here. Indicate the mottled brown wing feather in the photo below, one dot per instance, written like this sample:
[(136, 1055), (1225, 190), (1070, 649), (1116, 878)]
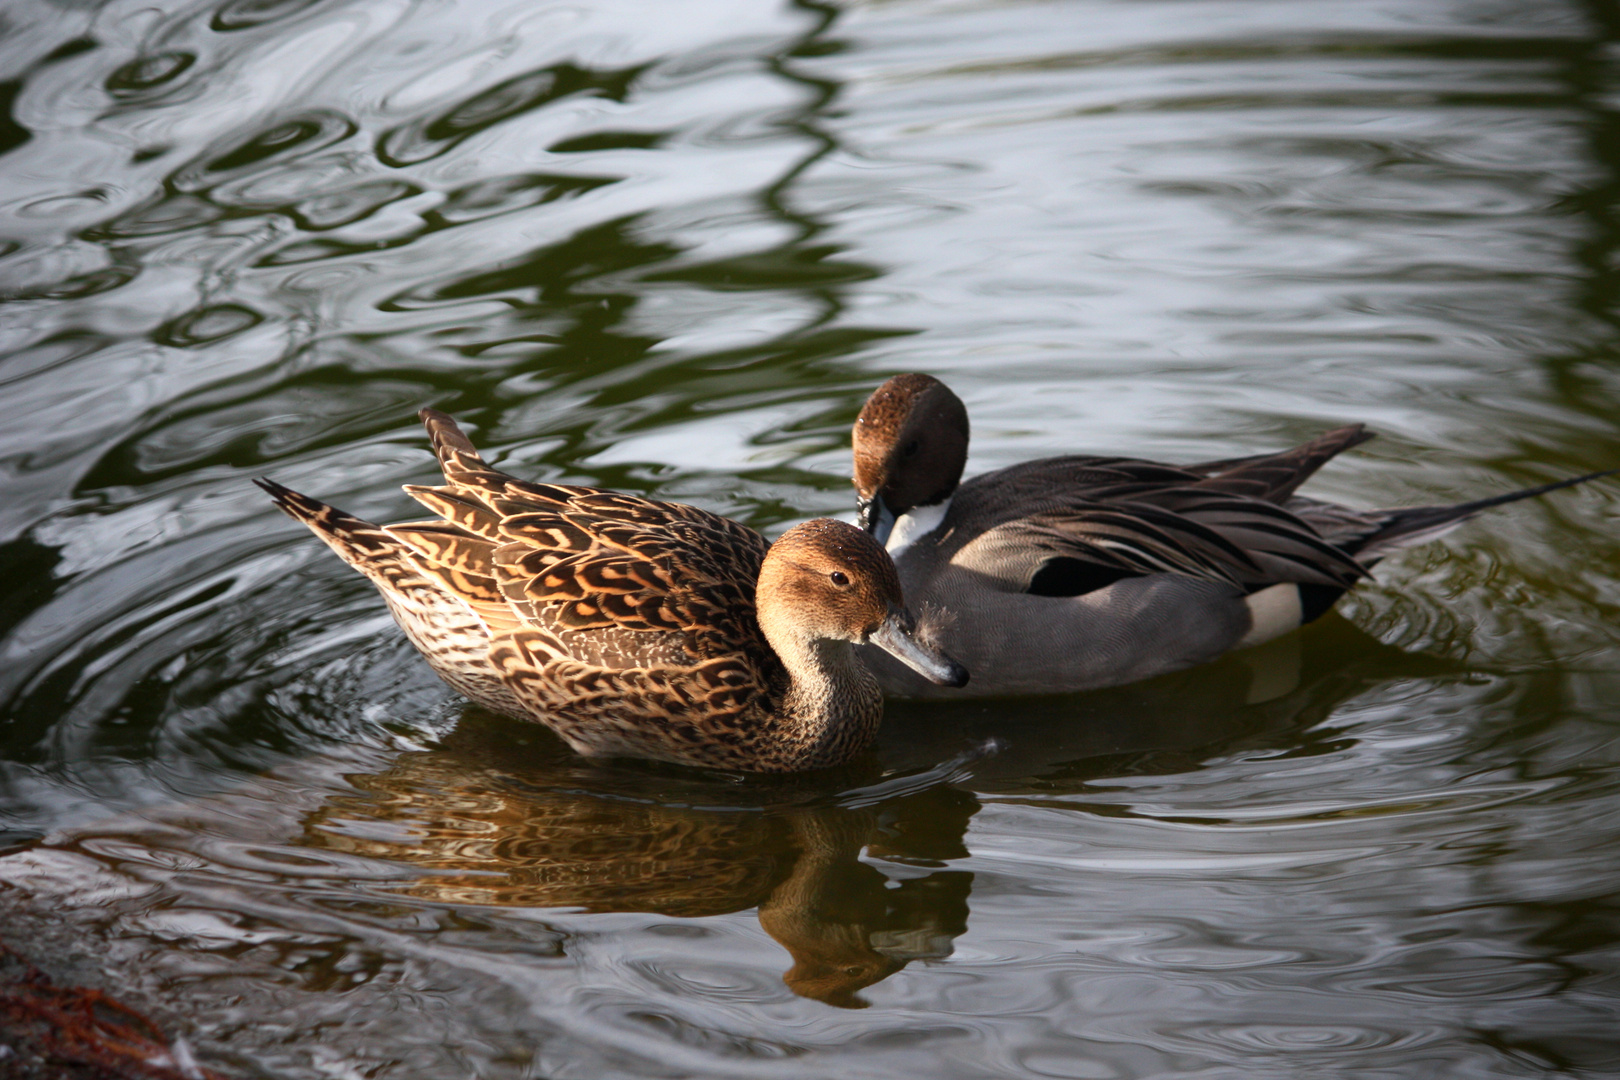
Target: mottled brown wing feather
[(625, 624), (708, 710), (462, 563), (447, 629), (579, 573), (580, 561), (366, 547), (461, 509)]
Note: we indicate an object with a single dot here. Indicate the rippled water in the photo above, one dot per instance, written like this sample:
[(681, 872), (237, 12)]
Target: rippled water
[(670, 248)]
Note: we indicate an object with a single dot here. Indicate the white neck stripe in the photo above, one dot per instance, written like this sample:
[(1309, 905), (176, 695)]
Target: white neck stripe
[(913, 525)]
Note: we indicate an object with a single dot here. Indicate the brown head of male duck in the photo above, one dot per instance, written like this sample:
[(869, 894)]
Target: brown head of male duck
[(637, 627), (1070, 573)]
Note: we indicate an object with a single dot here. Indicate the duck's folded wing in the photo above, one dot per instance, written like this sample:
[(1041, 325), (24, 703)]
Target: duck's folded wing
[(681, 574), (709, 706), (590, 572), (1275, 477), (605, 565), (1210, 535), (1269, 478)]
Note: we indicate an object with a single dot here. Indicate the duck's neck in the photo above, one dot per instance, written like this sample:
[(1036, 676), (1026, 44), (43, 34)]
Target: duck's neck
[(832, 706), (915, 524)]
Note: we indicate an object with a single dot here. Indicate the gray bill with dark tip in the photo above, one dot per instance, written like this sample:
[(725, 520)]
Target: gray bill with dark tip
[(897, 638)]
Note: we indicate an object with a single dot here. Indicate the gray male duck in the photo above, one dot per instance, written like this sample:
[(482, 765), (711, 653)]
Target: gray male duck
[(1072, 573)]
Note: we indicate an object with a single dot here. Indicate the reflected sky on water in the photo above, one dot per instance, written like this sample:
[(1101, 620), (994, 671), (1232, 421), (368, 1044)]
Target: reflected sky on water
[(671, 251)]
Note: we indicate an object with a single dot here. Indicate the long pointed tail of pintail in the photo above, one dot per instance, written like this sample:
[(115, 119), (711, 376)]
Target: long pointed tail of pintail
[(1416, 524), (366, 547), (324, 519), (295, 504)]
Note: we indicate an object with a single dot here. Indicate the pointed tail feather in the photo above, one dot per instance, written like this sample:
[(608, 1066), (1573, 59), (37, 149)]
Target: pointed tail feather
[(456, 454), (1418, 524), (446, 628), (366, 547)]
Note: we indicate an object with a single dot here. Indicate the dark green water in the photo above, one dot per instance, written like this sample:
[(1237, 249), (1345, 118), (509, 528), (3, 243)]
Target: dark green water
[(670, 248)]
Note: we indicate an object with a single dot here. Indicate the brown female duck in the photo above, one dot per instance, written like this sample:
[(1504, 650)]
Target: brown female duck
[(1070, 573), (630, 626)]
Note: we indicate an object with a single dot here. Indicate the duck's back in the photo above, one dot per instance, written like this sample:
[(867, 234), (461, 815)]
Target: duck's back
[(615, 579), (627, 623)]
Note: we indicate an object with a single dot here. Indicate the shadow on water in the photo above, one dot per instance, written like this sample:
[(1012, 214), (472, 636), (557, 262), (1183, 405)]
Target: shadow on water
[(502, 814), (1272, 697)]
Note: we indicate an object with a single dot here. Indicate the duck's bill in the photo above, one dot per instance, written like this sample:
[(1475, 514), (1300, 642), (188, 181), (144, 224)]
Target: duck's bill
[(897, 638), (876, 518)]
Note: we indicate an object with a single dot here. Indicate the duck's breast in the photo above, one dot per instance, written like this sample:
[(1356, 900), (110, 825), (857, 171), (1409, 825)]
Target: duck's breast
[(1016, 643)]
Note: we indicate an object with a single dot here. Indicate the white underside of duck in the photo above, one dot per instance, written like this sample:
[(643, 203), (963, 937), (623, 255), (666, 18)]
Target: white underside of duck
[(1273, 612)]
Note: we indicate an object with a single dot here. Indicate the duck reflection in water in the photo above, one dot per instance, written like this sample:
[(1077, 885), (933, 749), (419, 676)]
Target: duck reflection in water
[(502, 814)]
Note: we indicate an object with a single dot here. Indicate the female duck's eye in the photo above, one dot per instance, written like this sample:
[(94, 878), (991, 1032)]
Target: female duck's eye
[(910, 449), (840, 578)]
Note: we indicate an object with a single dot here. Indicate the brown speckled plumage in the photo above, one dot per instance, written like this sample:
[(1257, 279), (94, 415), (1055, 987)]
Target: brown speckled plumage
[(628, 625)]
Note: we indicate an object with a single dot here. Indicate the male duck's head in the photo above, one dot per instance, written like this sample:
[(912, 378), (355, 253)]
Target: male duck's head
[(826, 580), (911, 444)]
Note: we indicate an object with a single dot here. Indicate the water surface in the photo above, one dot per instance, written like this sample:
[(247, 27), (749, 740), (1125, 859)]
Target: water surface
[(671, 251)]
